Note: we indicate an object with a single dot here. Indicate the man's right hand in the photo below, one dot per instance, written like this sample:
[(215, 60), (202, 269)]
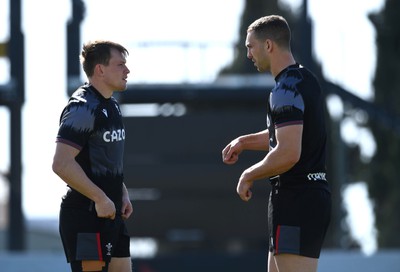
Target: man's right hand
[(105, 208), (230, 154)]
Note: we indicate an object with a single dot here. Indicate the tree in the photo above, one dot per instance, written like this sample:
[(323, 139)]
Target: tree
[(384, 183), (253, 10)]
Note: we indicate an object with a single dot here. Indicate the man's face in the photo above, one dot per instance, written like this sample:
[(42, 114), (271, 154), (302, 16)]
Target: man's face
[(257, 52), (116, 72)]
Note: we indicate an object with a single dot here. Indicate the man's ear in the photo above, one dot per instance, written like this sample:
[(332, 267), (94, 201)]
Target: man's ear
[(98, 69), (268, 44)]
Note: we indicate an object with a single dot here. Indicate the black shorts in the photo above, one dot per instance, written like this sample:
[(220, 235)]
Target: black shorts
[(87, 237), (298, 218)]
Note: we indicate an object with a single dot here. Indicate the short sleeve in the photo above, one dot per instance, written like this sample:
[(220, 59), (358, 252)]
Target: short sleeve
[(287, 108), (76, 124)]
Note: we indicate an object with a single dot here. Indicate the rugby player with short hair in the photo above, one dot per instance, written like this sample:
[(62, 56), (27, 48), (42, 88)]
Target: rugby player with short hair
[(89, 158), (299, 207)]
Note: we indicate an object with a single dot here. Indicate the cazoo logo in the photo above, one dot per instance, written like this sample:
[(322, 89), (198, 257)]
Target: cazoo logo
[(114, 135), (316, 176)]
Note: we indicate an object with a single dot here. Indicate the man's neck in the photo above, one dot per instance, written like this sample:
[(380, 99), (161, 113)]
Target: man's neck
[(282, 61), (101, 89)]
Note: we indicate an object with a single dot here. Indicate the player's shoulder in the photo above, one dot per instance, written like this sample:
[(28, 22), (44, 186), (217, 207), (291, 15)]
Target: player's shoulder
[(84, 95), (299, 75), (295, 72)]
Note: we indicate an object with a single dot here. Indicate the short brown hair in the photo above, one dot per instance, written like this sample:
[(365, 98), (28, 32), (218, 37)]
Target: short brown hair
[(273, 27), (98, 52)]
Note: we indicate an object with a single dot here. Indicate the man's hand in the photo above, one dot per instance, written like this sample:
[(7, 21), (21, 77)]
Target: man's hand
[(244, 188), (230, 154), (105, 208), (127, 208)]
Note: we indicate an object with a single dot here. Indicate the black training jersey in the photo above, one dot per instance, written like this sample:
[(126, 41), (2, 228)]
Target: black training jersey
[(297, 99), (93, 124)]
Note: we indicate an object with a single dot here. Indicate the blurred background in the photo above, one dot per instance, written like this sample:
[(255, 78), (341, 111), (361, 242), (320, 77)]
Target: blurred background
[(191, 91)]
